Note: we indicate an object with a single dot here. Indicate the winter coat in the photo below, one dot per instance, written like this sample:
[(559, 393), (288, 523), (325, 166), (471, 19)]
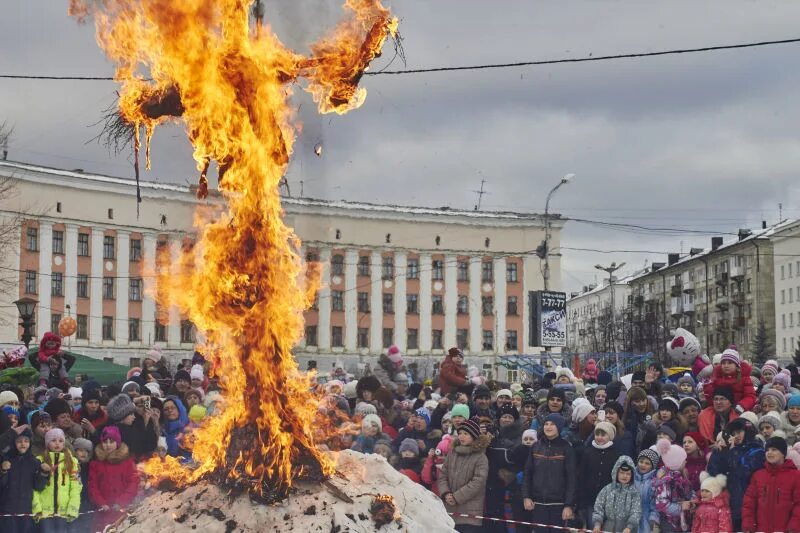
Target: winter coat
[(644, 484), (744, 394), (62, 493), (18, 484), (670, 488), (594, 471), (789, 428), (771, 501), (550, 473), (738, 463), (713, 516), (694, 465), (451, 376), (643, 435), (707, 424), (112, 477), (464, 474), (500, 453), (618, 506)]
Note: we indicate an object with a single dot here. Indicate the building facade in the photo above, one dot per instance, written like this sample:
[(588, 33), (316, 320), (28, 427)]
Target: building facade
[(786, 245), (424, 279)]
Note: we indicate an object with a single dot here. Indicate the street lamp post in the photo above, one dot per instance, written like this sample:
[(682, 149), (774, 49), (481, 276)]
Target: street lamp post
[(613, 267), (546, 251), (26, 306)]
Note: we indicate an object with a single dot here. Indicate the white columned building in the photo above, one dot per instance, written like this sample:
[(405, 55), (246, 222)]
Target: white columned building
[(450, 299), (350, 300), (148, 302), (425, 303), (45, 275), (376, 304), (475, 283), (500, 308), (123, 283), (71, 267), (324, 329), (400, 337), (96, 290), (174, 326)]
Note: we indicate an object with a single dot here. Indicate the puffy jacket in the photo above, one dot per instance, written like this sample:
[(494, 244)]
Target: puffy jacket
[(644, 483), (451, 376), (771, 501), (713, 516), (18, 484), (464, 475), (738, 463), (590, 371), (595, 472), (62, 493), (618, 506), (670, 488), (744, 394), (112, 477), (550, 473)]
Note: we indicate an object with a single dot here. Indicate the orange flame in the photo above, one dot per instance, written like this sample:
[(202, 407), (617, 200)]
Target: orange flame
[(242, 283)]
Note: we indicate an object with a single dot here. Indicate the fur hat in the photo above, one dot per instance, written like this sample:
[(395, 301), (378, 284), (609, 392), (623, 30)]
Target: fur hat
[(564, 371), (471, 427), (778, 443), (731, 355), (607, 428), (409, 445), (772, 418), (650, 455), (556, 419), (111, 433), (460, 409), (57, 407), (52, 435), (772, 366), (196, 372), (367, 383), (372, 419), (119, 407), (672, 455), (53, 393), (154, 388), (714, 484), (83, 444), (530, 433), (581, 409), (8, 396)]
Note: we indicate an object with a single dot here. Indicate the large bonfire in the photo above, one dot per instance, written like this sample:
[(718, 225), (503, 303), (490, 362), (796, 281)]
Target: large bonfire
[(242, 284)]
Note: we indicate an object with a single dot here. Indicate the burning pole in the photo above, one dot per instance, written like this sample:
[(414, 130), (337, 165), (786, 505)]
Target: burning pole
[(243, 284)]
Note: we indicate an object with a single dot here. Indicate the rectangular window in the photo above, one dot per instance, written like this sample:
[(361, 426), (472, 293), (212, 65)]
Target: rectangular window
[(363, 265), (336, 337), (108, 247), (783, 321), (33, 239), (387, 268), (511, 272), (783, 272), (136, 250), (487, 305), (108, 288), (436, 339), (784, 344), (511, 306), (108, 328), (83, 327), (363, 302), (83, 286), (57, 284), (412, 269), (83, 244), (388, 303), (337, 301), (783, 296), (462, 339), (58, 242), (55, 318), (488, 340), (160, 331), (438, 269), (388, 337), (337, 265), (791, 296), (187, 331), (363, 338), (311, 335), (134, 329), (135, 290), (437, 308), (30, 282), (463, 305), (511, 340), (487, 271), (412, 339), (790, 271), (463, 271), (412, 304)]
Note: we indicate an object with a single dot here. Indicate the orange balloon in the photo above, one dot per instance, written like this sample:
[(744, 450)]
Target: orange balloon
[(67, 326)]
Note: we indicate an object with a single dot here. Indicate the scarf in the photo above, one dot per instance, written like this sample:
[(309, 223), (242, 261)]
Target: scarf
[(605, 446)]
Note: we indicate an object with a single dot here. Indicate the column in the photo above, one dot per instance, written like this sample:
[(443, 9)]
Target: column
[(425, 303), (500, 306), (400, 332), (123, 281), (301, 343), (71, 268), (96, 289), (475, 282), (324, 322), (45, 276), (376, 304), (174, 326), (148, 302), (450, 300), (531, 281), (350, 300)]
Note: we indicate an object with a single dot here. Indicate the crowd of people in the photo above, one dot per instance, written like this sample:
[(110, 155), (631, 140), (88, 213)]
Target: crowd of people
[(717, 449)]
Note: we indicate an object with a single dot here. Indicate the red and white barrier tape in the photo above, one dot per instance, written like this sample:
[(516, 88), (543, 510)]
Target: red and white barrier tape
[(520, 522), (31, 515)]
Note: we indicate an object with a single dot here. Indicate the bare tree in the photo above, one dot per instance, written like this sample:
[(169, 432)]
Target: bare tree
[(10, 222)]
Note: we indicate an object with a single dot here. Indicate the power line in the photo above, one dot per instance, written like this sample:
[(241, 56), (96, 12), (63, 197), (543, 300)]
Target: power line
[(631, 55)]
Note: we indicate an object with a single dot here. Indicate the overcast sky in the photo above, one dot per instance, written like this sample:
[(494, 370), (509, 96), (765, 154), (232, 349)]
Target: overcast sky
[(703, 141)]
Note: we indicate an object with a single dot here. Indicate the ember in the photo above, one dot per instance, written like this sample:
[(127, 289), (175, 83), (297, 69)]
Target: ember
[(230, 84)]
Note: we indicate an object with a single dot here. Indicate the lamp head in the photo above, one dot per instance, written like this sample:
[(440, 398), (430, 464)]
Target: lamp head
[(567, 178)]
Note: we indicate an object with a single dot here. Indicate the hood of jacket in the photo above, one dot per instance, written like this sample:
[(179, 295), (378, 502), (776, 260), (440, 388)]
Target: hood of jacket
[(623, 460), (116, 456)]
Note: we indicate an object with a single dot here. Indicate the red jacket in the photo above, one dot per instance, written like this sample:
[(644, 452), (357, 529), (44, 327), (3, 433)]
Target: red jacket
[(770, 503), (451, 376), (706, 421), (112, 477), (744, 394), (713, 516)]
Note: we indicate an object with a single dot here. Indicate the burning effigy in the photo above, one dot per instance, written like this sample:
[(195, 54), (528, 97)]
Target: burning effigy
[(242, 283)]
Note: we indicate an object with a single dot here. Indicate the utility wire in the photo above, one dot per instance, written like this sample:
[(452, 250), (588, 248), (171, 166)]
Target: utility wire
[(483, 66)]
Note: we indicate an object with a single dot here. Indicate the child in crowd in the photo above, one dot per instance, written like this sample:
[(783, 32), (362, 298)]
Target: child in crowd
[(596, 468), (735, 373), (643, 477), (433, 463), (696, 458), (13, 415), (712, 510), (59, 502), (113, 481), (370, 434), (673, 493), (618, 506), (769, 425), (409, 460), (20, 475), (83, 453)]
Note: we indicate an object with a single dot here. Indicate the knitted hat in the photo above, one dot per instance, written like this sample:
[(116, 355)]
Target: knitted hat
[(197, 413), (350, 390), (666, 429), (556, 419), (394, 355), (713, 484), (614, 406), (607, 428), (794, 401), (111, 433), (372, 419), (8, 396), (83, 444), (481, 391), (777, 443), (779, 397), (686, 402), (401, 378), (731, 355), (784, 377), (471, 427), (581, 409), (686, 378), (52, 435), (530, 433), (409, 445), (557, 393), (196, 372), (750, 416), (725, 391), (130, 386), (672, 455), (424, 414), (75, 392), (460, 409), (773, 418), (57, 407), (364, 408), (508, 409), (650, 455), (504, 392), (772, 366), (697, 438), (668, 404), (119, 407), (717, 359)]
